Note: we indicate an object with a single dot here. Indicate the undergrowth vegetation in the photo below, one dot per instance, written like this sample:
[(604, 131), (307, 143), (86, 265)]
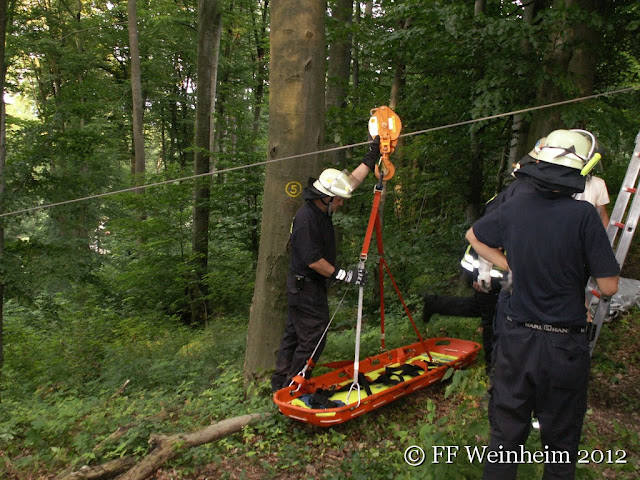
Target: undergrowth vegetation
[(97, 389), (86, 381)]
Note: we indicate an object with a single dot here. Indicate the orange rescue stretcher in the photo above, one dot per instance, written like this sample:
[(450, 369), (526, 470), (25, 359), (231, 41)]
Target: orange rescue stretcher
[(432, 357), (360, 386)]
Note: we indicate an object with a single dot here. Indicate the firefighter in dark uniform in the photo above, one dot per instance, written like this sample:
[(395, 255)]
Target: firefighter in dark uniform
[(313, 262), (542, 352), (485, 279)]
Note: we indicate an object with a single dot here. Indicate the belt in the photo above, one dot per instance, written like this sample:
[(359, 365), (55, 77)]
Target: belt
[(546, 327)]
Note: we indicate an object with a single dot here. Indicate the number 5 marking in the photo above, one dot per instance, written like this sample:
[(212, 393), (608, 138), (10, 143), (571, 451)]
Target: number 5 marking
[(293, 189)]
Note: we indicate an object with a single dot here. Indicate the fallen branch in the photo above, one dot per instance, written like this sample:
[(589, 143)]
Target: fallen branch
[(105, 470), (169, 447), (117, 435), (121, 430)]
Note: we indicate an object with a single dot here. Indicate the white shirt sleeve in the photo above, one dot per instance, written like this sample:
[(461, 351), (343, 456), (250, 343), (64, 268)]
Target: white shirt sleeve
[(595, 192), (600, 191)]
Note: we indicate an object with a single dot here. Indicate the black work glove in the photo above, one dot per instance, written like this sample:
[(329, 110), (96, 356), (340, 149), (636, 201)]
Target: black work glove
[(373, 155), (356, 276)]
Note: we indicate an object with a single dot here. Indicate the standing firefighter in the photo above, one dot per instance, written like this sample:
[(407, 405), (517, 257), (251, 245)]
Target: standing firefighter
[(313, 262), (542, 351)]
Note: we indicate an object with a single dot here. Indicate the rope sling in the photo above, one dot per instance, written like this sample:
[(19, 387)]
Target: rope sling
[(386, 124)]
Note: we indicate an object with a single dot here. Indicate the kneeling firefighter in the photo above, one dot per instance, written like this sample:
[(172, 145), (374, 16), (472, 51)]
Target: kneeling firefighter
[(485, 280)]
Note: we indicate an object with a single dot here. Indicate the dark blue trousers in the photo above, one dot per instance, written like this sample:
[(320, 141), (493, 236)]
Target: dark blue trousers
[(542, 372), (306, 321)]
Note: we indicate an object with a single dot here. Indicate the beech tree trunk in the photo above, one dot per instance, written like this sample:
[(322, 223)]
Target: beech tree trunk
[(261, 35), (475, 180), (199, 287), (3, 155), (296, 121), (519, 145), (574, 54), (136, 97), (215, 60)]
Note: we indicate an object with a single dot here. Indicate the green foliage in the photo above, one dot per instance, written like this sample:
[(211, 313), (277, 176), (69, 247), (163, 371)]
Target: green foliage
[(96, 292), (59, 412)]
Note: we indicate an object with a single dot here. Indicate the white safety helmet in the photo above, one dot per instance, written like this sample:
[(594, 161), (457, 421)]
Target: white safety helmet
[(568, 148), (538, 146), (334, 183)]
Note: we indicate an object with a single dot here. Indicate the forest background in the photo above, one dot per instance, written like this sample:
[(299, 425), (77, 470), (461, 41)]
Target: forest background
[(159, 308)]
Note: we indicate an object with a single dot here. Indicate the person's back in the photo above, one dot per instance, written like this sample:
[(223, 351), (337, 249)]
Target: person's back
[(549, 238), (542, 357)]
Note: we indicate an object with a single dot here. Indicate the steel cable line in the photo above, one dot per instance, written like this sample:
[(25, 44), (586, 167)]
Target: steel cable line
[(290, 157)]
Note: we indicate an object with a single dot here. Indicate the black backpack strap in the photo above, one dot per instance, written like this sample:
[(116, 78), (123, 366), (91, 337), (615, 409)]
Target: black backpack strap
[(395, 375), (320, 399)]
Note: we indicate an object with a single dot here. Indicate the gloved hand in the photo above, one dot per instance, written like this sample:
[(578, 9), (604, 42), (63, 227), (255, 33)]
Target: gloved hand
[(356, 276), (373, 155), (507, 281), (484, 275)]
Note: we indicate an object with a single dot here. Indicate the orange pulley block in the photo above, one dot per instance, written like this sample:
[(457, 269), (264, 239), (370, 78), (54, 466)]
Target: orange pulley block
[(387, 124)]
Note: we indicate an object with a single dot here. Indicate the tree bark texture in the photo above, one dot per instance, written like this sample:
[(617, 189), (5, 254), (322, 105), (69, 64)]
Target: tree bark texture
[(574, 54), (199, 288), (136, 97), (296, 120)]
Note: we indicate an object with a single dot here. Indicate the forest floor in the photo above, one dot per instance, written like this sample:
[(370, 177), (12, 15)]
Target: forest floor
[(612, 425), (372, 446), (369, 447)]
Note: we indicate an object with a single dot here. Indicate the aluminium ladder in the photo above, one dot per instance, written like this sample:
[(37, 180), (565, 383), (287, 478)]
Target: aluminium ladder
[(622, 225)]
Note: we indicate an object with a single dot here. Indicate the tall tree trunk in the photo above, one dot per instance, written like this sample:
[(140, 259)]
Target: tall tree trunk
[(519, 146), (475, 181), (296, 120), (199, 288), (480, 7), (355, 64), (574, 55), (136, 97), (3, 155), (338, 77), (215, 57), (261, 36)]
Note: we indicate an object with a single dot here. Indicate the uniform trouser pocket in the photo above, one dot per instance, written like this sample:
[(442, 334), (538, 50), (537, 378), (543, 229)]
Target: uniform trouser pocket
[(309, 317), (562, 406)]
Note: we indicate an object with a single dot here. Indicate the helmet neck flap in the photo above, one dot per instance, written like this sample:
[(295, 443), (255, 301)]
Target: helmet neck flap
[(552, 178)]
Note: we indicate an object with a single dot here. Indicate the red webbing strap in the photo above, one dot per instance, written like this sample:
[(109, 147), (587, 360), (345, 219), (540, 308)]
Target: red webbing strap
[(406, 309), (372, 220), (381, 280)]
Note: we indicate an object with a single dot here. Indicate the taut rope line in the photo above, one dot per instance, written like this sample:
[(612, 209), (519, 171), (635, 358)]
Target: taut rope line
[(334, 149)]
